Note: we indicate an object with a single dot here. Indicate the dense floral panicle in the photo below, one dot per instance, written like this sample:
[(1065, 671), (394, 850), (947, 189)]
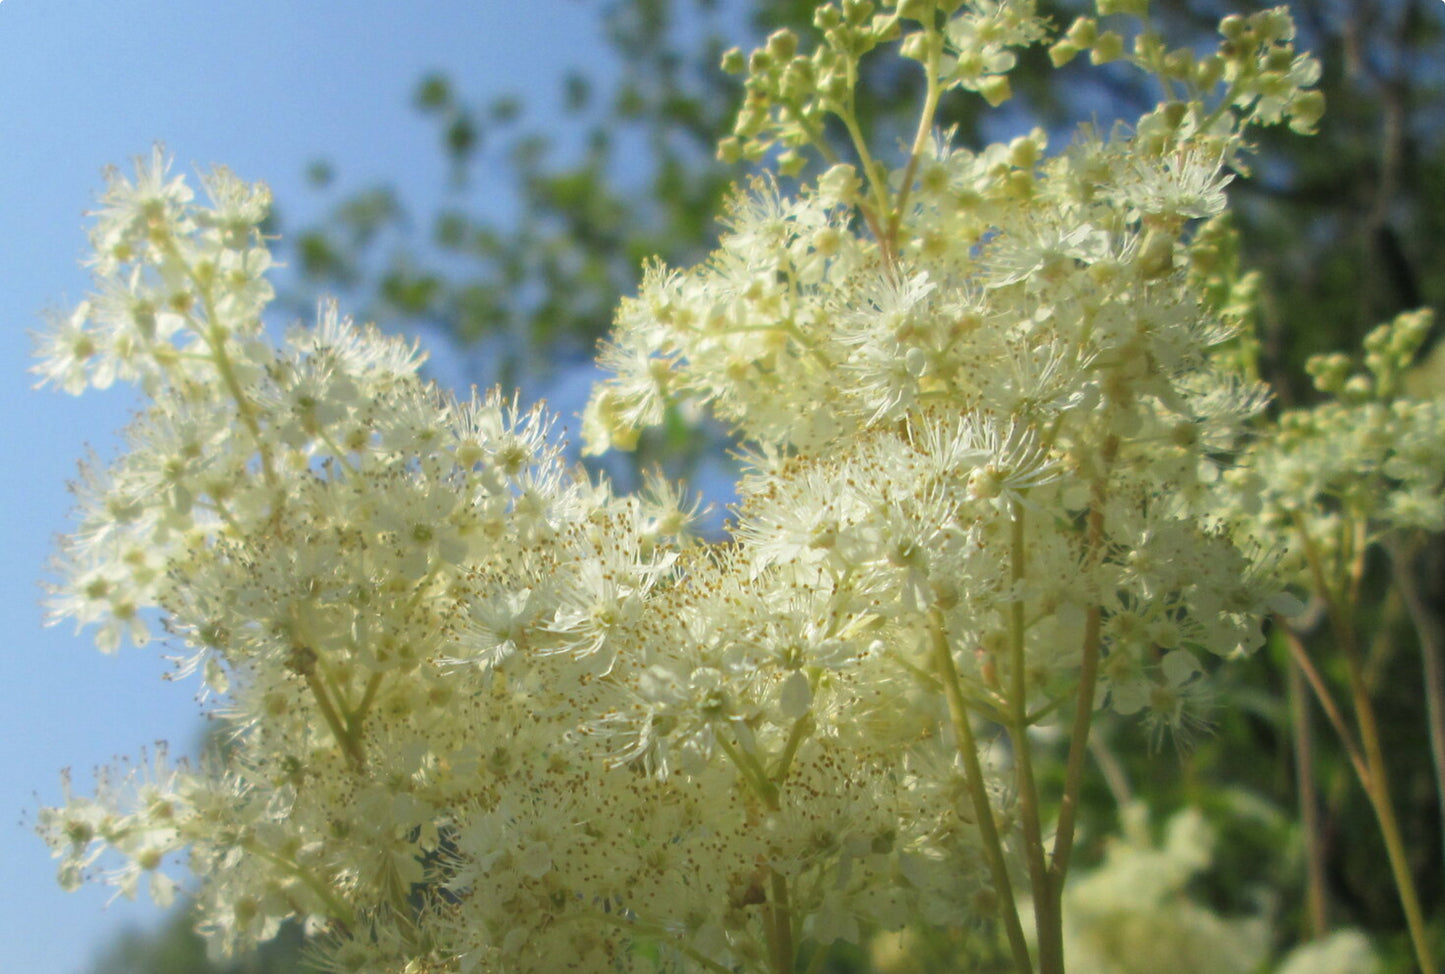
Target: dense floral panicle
[(1365, 462), (1035, 325), (969, 323), (482, 714), (430, 643), (177, 283), (743, 315)]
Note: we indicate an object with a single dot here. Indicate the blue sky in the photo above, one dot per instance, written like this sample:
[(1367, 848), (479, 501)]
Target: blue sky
[(264, 87)]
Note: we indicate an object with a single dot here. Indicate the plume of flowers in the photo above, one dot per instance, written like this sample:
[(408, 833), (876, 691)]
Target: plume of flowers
[(485, 714)]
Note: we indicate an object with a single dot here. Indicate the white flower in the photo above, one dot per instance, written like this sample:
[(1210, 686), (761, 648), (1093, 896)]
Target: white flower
[(66, 350), (1185, 184), (131, 213)]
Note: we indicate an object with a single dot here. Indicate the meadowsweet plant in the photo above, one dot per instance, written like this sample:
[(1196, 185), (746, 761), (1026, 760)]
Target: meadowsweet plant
[(1365, 468), (485, 714)]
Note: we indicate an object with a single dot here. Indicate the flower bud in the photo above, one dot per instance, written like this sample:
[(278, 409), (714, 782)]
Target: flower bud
[(1109, 47)]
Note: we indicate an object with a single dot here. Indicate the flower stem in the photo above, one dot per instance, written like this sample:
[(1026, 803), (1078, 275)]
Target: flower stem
[(1083, 697), (1432, 659), (777, 911), (784, 944), (1373, 777), (212, 336), (1315, 899), (978, 793), (1311, 673), (1048, 917), (920, 137), (344, 737), (341, 911)]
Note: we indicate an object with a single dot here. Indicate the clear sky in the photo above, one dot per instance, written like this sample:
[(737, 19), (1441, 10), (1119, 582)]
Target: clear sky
[(265, 87)]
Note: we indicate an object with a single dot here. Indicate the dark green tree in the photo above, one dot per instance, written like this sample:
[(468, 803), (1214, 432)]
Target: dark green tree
[(176, 948)]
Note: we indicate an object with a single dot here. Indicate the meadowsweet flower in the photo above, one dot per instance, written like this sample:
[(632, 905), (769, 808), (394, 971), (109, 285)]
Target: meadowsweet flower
[(1370, 460), (65, 350), (1186, 185), (1134, 907), (486, 715), (135, 217)]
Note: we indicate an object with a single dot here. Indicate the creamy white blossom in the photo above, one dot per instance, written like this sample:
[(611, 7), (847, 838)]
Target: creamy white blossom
[(484, 714)]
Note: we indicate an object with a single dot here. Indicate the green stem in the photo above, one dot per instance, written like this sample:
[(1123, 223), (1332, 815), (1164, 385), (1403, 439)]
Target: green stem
[(1378, 789), (368, 696), (1115, 779), (209, 332), (1300, 656), (1084, 703), (978, 791), (1035, 716), (1224, 103), (799, 733), (348, 741), (211, 335), (1048, 920), (1092, 649), (1432, 658), (752, 772), (988, 709), (1375, 780), (1073, 786), (1304, 764), (920, 138), (879, 209), (777, 911), (783, 943)]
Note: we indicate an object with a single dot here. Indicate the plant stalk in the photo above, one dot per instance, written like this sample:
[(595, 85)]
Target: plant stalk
[(1374, 779), (978, 793)]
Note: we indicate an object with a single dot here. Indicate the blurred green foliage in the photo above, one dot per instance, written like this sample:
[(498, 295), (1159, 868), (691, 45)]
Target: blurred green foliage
[(176, 948)]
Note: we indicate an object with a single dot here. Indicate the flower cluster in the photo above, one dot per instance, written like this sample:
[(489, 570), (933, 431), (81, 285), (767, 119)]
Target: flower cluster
[(485, 714), (1011, 404), (1362, 465), (1136, 907), (478, 706)]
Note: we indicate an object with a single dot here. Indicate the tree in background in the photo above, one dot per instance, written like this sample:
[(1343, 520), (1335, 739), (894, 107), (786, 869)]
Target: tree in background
[(176, 948)]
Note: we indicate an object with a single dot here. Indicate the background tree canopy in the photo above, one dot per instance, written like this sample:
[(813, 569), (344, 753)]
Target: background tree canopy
[(1343, 228)]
